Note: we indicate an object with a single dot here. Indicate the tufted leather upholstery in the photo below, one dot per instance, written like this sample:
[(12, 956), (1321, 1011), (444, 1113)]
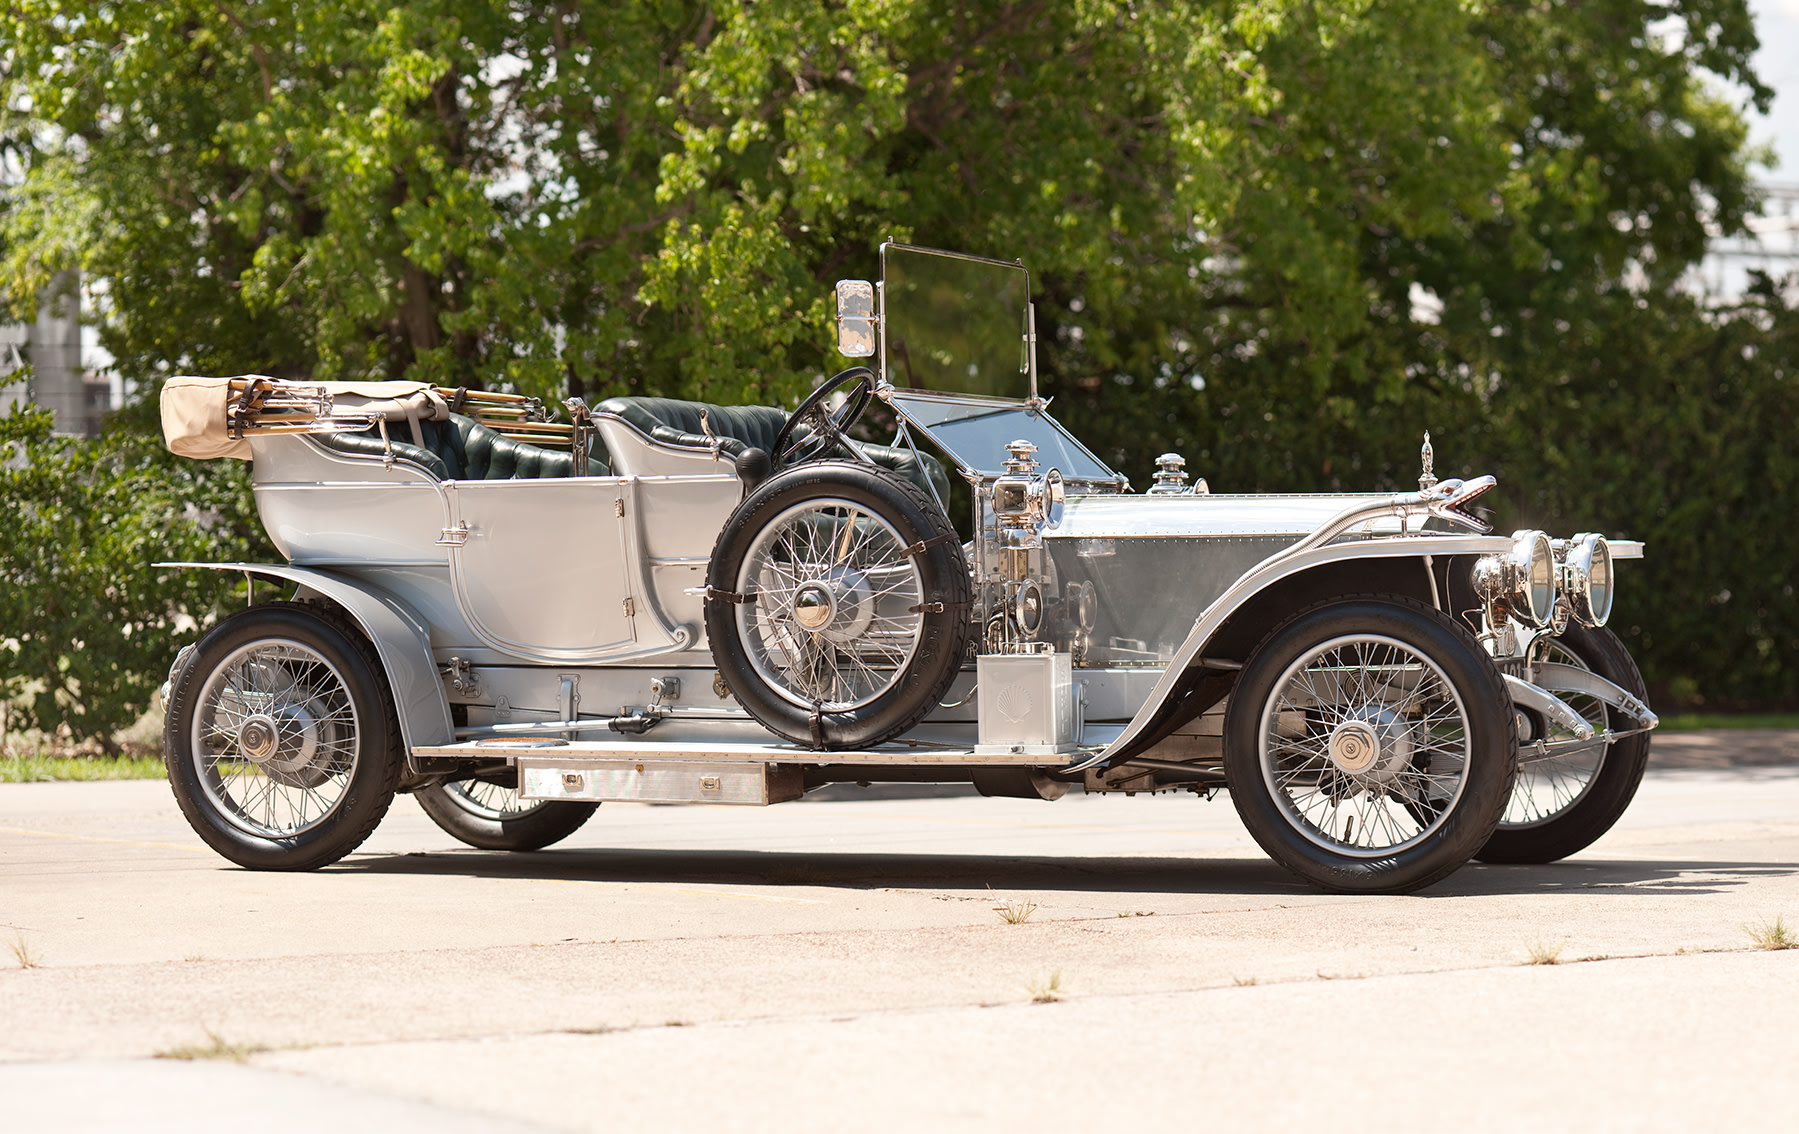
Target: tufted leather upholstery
[(464, 449), (743, 427)]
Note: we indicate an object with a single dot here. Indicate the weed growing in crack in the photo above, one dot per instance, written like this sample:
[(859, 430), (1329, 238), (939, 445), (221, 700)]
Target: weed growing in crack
[(1046, 991), (215, 1047), (1545, 953), (1773, 934), (27, 957), (1015, 913)]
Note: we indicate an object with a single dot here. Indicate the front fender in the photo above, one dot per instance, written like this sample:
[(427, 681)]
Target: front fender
[(398, 635), (1276, 567)]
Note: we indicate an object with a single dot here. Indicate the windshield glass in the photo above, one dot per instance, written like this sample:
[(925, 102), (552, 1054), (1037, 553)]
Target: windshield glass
[(976, 432), (954, 323)]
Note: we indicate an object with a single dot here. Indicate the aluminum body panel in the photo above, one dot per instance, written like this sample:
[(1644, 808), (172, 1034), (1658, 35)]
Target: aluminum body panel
[(542, 776), (1144, 591), (400, 638), (1183, 515), (1027, 703), (1278, 567), (322, 507), (548, 567), (632, 452)]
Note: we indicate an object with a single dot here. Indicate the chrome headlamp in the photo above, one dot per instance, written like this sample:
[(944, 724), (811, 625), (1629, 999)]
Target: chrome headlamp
[(1587, 578), (1521, 583)]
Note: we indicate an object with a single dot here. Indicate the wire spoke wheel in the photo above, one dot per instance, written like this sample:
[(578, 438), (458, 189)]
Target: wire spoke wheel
[(1563, 801), (276, 737), (490, 801), (492, 816), (838, 604), (1548, 785), (1365, 745), (836, 615), (281, 741), (1369, 745)]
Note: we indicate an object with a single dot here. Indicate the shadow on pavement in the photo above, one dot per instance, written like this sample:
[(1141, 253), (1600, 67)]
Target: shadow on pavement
[(1084, 874)]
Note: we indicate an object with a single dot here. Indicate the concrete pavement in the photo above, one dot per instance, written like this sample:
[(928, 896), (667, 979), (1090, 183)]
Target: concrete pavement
[(837, 963)]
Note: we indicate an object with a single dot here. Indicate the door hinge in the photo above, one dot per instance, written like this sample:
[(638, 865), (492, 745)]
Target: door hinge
[(618, 507), (453, 537), (630, 608)]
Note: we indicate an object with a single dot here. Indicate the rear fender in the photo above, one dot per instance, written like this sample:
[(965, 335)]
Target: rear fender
[(398, 635)]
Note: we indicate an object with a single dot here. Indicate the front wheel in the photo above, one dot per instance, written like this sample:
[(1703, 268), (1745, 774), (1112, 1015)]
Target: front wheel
[(281, 741), (1564, 801), (1369, 745), (493, 817)]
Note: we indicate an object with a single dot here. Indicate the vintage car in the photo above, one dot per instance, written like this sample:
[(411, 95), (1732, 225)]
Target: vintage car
[(517, 619)]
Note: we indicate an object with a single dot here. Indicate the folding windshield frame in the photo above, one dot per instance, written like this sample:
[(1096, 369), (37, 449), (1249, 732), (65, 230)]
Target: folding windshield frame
[(1098, 476)]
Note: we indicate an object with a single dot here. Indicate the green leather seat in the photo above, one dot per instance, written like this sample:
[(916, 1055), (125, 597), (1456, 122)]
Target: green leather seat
[(675, 422), (464, 449)]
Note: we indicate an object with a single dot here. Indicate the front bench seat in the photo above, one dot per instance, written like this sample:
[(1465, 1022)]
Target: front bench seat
[(675, 422)]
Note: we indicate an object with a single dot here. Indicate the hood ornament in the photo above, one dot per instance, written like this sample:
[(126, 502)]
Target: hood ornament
[(1428, 480)]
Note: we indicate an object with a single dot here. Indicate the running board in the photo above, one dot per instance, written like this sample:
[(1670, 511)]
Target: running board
[(547, 777)]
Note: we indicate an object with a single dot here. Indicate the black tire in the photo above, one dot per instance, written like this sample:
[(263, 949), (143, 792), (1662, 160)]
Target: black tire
[(879, 563), (1562, 805), (493, 817), (280, 739), (1371, 709)]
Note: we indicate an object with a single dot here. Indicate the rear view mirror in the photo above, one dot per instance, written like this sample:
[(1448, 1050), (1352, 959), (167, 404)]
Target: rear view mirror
[(855, 318)]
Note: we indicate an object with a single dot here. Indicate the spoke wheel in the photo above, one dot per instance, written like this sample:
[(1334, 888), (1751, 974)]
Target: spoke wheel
[(839, 606), (281, 743), (492, 816), (1561, 804), (1369, 746)]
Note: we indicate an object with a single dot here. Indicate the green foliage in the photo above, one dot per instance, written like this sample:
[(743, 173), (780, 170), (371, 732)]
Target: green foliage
[(90, 623), (1229, 211)]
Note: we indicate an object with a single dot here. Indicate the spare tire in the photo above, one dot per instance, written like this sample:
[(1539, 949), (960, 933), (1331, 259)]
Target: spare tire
[(837, 604)]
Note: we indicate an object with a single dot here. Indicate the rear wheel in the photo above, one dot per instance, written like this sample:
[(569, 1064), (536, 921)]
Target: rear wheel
[(1562, 803), (493, 817), (1369, 745), (280, 740)]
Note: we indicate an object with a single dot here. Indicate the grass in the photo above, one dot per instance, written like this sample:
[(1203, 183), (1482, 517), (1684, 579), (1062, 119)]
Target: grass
[(1015, 913), (21, 949), (41, 767), (1046, 991), (215, 1047), (1773, 935), (1687, 722), (1545, 953)]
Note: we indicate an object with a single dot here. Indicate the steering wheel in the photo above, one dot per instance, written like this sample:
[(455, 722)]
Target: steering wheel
[(829, 426)]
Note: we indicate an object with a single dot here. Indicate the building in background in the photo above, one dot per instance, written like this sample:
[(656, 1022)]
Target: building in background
[(1771, 245), (56, 378)]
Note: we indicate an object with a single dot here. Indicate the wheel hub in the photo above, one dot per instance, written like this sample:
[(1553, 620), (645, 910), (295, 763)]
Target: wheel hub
[(837, 605), (284, 743), (1372, 746), (812, 606), (258, 738)]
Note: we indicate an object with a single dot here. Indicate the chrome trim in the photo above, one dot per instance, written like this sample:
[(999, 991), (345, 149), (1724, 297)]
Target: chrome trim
[(1542, 700), (1559, 678)]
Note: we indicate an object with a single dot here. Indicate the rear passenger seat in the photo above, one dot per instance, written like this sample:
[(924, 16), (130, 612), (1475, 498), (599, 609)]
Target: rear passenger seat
[(464, 449)]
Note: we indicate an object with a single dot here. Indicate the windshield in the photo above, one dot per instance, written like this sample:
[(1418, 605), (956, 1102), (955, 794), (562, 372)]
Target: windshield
[(954, 323), (976, 432)]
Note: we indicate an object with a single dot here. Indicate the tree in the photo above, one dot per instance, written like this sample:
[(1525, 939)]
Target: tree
[(88, 618), (1284, 237)]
